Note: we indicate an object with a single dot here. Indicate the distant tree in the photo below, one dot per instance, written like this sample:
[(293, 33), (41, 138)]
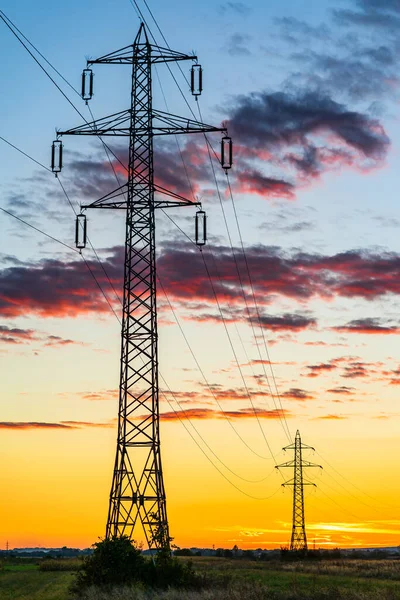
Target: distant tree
[(228, 554), (183, 552)]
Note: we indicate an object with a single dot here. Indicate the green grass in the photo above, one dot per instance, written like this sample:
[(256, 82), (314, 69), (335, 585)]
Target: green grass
[(26, 582), (352, 580)]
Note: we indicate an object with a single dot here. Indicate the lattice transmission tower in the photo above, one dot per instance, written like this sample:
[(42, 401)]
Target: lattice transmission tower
[(298, 540), (137, 495)]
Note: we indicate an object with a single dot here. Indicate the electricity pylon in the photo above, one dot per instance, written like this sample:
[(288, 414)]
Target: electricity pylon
[(137, 492), (298, 540)]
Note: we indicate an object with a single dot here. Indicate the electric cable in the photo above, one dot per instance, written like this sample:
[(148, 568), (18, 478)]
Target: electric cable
[(287, 431), (49, 169), (7, 22)]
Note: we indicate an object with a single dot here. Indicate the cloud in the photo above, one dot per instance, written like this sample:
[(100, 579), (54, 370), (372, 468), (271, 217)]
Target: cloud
[(331, 418), (237, 7), (56, 288), (367, 326), (318, 369), (286, 322), (306, 130), (252, 181), (100, 395), (209, 413), (26, 425), (376, 14), (297, 394), (350, 367), (296, 31), (15, 335), (341, 389), (238, 45)]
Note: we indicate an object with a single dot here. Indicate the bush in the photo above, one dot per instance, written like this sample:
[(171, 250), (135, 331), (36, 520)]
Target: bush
[(118, 562), (115, 561)]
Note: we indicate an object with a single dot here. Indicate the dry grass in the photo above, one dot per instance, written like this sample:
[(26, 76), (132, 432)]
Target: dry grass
[(60, 564), (249, 591)]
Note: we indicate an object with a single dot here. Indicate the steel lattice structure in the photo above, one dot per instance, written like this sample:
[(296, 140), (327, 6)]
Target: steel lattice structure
[(298, 539), (137, 492)]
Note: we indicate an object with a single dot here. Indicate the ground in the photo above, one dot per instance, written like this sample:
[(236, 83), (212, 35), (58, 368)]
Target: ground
[(353, 579)]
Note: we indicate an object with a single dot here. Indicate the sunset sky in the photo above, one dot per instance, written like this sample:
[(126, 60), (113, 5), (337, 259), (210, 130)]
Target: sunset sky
[(310, 97)]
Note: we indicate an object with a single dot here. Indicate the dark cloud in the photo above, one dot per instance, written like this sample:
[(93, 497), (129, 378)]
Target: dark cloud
[(15, 335), (65, 425), (209, 413), (55, 288), (295, 31), (237, 7), (281, 119), (341, 389), (349, 367), (58, 288), (319, 369), (253, 181), (376, 14), (286, 322), (362, 74), (367, 326), (297, 394), (238, 44)]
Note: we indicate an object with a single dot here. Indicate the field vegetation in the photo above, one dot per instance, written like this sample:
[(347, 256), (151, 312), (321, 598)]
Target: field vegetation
[(218, 579)]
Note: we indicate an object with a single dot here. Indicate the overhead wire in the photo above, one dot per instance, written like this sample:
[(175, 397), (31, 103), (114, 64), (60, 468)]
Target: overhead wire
[(285, 426), (258, 316), (11, 27), (222, 318), (3, 16), (163, 379)]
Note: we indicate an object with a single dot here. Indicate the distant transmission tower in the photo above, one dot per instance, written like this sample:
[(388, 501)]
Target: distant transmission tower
[(137, 493), (298, 540)]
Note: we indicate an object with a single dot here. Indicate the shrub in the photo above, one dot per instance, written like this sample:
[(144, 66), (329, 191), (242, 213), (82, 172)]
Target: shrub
[(118, 562), (115, 561)]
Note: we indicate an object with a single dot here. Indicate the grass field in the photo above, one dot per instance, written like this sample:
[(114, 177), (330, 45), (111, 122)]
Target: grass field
[(238, 579)]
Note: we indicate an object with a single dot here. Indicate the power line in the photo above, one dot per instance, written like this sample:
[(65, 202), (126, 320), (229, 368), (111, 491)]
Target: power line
[(38, 230), (25, 154), (7, 22), (287, 432), (43, 166)]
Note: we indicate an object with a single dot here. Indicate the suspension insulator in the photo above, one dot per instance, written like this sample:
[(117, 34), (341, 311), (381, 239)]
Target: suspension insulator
[(56, 156), (226, 152), (87, 84), (80, 231), (201, 228), (196, 80)]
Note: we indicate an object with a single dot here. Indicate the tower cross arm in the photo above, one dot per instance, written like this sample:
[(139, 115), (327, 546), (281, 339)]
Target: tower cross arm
[(167, 124), (116, 124), (306, 463), (126, 56), (290, 463), (118, 199), (295, 483)]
